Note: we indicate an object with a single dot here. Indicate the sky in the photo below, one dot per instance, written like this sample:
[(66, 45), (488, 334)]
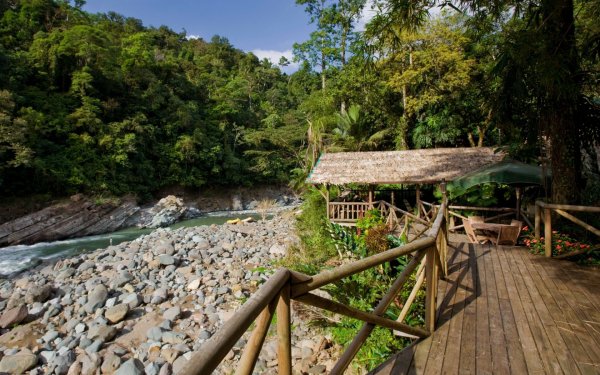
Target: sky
[(268, 28)]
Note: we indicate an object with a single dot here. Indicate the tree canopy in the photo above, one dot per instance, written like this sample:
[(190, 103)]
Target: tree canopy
[(102, 103)]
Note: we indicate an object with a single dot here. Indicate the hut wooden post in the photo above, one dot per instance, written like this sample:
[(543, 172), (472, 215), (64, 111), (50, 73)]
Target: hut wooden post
[(445, 199), (538, 221), (370, 196), (548, 232), (392, 200), (518, 193), (327, 201), (418, 200)]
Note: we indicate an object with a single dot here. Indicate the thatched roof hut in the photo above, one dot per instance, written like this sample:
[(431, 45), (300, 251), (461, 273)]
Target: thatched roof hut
[(426, 166)]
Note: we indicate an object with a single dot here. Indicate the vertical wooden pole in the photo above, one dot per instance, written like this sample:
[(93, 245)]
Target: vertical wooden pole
[(393, 201), (518, 193), (548, 232), (252, 350), (327, 203), (418, 200), (430, 274), (538, 221), (284, 334), (370, 197)]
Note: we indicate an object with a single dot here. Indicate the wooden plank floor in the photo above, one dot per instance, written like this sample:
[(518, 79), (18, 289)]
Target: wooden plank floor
[(505, 311)]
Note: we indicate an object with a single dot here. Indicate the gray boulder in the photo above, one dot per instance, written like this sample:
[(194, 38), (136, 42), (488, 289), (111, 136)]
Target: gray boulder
[(96, 298), (18, 363), (131, 367)]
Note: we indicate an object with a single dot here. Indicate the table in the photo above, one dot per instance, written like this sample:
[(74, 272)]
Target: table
[(490, 230)]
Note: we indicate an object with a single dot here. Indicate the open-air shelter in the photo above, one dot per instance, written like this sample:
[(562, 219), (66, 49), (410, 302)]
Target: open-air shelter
[(410, 167)]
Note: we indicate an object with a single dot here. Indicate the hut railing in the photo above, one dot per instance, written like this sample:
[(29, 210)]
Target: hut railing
[(347, 212), (543, 213), (285, 285), (453, 214)]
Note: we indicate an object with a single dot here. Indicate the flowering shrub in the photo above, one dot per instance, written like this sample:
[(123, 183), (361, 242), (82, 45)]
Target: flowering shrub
[(561, 243)]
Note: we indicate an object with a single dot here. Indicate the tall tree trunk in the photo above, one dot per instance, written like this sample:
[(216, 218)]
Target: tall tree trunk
[(562, 90)]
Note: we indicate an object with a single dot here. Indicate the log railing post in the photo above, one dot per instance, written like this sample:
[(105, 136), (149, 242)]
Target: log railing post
[(538, 221), (548, 232), (430, 275), (284, 334), (254, 345)]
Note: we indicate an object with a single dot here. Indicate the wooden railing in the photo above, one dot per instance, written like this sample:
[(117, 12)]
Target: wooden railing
[(285, 285), (543, 212), (347, 213)]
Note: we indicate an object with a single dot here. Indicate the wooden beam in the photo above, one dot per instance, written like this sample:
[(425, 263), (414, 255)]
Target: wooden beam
[(383, 305), (579, 222), (329, 276), (351, 312), (568, 207)]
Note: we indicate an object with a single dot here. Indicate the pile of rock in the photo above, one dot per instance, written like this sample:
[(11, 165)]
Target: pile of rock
[(144, 306)]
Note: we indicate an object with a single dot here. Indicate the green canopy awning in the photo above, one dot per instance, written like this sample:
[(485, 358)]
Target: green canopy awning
[(508, 172)]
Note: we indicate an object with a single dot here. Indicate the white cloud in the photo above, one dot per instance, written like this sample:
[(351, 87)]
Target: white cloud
[(366, 16), (190, 37), (274, 56)]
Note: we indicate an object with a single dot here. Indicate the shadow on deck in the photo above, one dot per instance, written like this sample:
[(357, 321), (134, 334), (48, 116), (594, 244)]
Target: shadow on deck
[(505, 311)]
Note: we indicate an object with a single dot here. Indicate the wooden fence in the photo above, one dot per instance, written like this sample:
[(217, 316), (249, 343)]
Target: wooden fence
[(285, 285), (543, 212)]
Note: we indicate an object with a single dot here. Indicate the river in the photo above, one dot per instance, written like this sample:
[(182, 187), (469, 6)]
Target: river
[(20, 257)]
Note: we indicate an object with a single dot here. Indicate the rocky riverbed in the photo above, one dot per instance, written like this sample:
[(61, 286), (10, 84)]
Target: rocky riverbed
[(145, 306)]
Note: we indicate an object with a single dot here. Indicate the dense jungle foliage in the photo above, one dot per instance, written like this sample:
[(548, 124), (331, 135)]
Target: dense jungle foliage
[(99, 103)]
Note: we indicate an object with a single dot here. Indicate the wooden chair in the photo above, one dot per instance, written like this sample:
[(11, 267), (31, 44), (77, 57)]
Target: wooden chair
[(471, 235), (508, 235)]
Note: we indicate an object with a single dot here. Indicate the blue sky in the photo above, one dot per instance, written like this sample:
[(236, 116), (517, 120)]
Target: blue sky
[(269, 28)]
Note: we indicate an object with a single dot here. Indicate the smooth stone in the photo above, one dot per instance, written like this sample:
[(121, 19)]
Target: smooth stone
[(117, 313), (166, 369), (62, 362), (18, 363), (96, 298), (13, 316), (110, 364), (95, 346), (133, 300), (49, 336), (194, 285), (172, 313), (38, 294), (131, 367), (154, 334), (166, 260)]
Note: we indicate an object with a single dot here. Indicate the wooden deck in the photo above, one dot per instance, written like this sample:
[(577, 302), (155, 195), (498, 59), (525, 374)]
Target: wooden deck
[(505, 311)]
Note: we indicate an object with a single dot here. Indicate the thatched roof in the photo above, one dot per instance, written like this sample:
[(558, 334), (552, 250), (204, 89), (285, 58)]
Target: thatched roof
[(427, 166)]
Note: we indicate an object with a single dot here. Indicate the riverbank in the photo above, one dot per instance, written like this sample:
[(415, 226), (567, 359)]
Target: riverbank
[(147, 304), (80, 216)]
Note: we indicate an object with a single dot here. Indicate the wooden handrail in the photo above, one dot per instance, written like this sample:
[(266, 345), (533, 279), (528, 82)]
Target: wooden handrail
[(547, 208), (285, 285), (367, 328), (568, 207), (217, 347)]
